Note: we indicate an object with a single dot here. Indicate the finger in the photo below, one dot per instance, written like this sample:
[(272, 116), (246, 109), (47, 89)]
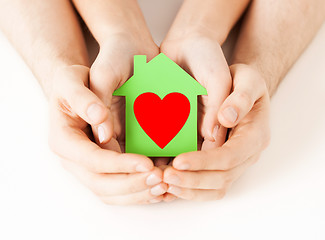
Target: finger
[(79, 98), (103, 82), (155, 200), (144, 197), (248, 88), (112, 145), (114, 184), (83, 102), (196, 194), (248, 138), (168, 197), (104, 132), (206, 179), (210, 127), (212, 71), (73, 144), (220, 136)]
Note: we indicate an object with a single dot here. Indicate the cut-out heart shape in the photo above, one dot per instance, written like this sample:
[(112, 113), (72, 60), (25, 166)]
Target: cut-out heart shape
[(161, 119)]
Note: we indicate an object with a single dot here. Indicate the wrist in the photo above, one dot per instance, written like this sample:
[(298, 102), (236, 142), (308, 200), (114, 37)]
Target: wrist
[(213, 19), (113, 17), (186, 30)]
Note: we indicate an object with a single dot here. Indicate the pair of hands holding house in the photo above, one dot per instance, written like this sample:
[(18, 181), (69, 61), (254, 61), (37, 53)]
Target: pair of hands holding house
[(49, 37), (82, 97)]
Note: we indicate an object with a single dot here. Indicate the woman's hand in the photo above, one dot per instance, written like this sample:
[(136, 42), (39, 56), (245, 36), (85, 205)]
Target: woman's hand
[(113, 67), (202, 57), (115, 177), (209, 173), (121, 31)]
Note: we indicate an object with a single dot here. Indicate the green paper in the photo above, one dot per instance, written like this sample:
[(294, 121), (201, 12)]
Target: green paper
[(160, 76)]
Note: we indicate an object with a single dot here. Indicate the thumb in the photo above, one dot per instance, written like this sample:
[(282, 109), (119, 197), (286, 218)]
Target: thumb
[(82, 100), (103, 83), (214, 134), (218, 88), (207, 64), (248, 87)]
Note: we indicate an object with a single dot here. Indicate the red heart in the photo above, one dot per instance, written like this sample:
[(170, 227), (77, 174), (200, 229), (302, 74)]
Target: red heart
[(161, 119)]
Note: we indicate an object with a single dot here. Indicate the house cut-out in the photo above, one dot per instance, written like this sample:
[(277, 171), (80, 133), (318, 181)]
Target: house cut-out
[(161, 108)]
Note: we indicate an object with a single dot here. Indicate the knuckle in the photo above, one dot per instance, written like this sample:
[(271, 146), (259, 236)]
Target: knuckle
[(244, 98), (75, 93), (96, 72), (100, 72)]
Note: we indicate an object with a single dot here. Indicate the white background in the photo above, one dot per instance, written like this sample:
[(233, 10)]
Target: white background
[(280, 197)]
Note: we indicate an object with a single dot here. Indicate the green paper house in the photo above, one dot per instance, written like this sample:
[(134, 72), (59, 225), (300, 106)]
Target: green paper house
[(161, 108)]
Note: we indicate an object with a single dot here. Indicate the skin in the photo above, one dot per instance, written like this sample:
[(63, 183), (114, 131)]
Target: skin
[(194, 42), (262, 57), (82, 107), (54, 48)]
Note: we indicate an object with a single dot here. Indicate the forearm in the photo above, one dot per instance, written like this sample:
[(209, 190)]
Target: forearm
[(274, 34), (110, 17), (46, 33), (214, 18)]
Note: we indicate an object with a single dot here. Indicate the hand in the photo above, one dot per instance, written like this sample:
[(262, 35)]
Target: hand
[(208, 174), (113, 67), (202, 57), (115, 177)]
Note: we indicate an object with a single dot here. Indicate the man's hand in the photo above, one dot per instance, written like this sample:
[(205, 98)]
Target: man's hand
[(208, 174), (115, 177)]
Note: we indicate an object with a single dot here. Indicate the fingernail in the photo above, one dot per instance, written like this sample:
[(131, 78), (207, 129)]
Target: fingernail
[(174, 190), (157, 190), (101, 134), (95, 112), (215, 132), (153, 179), (154, 200), (184, 166), (173, 179), (142, 168), (230, 114)]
